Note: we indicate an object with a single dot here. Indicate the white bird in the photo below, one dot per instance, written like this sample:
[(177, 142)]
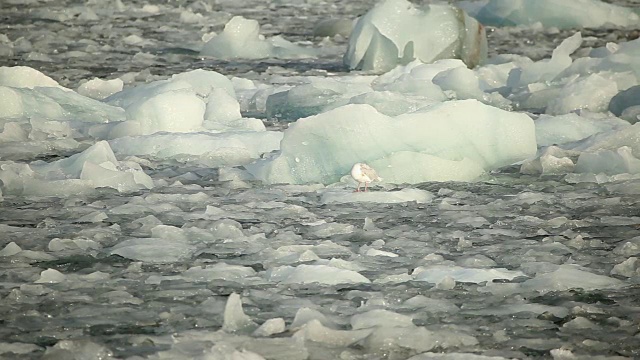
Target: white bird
[(363, 173)]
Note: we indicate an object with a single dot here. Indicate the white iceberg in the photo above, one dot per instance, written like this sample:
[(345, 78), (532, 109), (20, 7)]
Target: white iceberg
[(395, 32), (434, 143)]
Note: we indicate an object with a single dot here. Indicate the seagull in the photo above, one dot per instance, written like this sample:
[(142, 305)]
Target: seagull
[(363, 173)]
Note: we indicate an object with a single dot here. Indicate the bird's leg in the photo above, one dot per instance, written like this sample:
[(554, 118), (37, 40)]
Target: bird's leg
[(365, 185), (358, 189)]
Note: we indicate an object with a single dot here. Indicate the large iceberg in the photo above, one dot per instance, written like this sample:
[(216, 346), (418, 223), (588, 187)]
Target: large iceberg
[(395, 32), (455, 140), (559, 13)]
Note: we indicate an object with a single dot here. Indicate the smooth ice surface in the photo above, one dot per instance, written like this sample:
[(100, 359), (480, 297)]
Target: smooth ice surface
[(406, 148), (558, 13), (393, 32)]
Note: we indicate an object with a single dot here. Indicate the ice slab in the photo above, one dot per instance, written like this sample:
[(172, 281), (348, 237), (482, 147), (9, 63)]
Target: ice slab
[(557, 13), (437, 273), (393, 32), (100, 89), (453, 134), (241, 39), (373, 196), (569, 277), (228, 149), (309, 274)]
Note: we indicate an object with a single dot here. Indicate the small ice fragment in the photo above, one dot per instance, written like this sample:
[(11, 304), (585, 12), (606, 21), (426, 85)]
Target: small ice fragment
[(270, 327), (50, 276), (11, 249), (234, 317)]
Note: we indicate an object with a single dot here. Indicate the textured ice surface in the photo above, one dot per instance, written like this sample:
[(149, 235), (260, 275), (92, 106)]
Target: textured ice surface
[(449, 141), (393, 32)]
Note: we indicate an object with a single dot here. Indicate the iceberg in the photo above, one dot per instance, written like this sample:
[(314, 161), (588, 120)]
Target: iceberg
[(395, 32), (435, 143)]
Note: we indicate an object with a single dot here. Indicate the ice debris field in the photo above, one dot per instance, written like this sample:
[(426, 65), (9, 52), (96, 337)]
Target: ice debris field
[(175, 180)]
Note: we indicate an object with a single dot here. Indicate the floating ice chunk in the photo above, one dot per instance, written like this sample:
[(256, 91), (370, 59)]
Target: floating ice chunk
[(167, 244), (628, 248), (476, 261), (224, 149), (51, 276), (324, 147), (309, 274), (437, 273), (330, 229), (553, 160), (305, 315), (609, 162), (376, 252), (627, 268), (380, 318), (219, 271), (394, 32), (569, 277), (593, 93), (557, 13), (93, 217), (241, 39), (398, 340), (11, 249), (25, 77), (100, 89), (234, 317), (73, 244), (270, 327), (385, 197), (315, 331)]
